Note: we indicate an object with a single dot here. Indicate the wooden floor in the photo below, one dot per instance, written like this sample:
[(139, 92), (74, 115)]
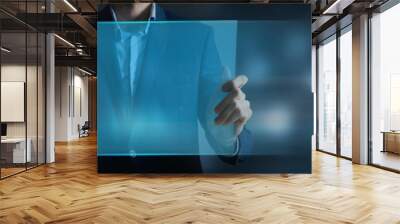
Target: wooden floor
[(71, 191), (5, 172), (386, 159)]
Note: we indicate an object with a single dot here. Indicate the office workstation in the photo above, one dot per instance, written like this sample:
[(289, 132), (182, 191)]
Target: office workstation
[(22, 102), (16, 147), (16, 150)]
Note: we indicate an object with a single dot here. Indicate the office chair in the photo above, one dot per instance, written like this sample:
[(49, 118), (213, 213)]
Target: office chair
[(84, 130)]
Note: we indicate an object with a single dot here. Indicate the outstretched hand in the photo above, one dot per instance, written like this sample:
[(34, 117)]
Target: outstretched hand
[(234, 108)]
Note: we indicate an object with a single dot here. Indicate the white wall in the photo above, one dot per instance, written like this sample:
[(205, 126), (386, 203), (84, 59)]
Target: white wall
[(79, 117), (314, 91), (9, 73), (17, 73), (62, 82), (71, 93)]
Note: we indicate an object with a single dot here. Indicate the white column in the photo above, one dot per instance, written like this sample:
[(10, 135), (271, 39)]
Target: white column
[(50, 93), (314, 92), (360, 90)]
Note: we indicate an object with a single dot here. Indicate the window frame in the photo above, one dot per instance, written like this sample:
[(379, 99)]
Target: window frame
[(333, 37)]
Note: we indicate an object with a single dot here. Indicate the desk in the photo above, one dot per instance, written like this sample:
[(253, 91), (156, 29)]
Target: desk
[(391, 141), (16, 147)]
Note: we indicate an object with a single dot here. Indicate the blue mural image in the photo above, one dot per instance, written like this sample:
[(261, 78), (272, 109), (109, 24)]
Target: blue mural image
[(187, 94)]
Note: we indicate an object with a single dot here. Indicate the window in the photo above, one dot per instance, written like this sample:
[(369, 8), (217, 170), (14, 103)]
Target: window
[(327, 95), (346, 92), (385, 88), (334, 106)]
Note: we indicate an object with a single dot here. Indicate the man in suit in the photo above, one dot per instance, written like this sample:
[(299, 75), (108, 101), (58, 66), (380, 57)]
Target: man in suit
[(161, 84)]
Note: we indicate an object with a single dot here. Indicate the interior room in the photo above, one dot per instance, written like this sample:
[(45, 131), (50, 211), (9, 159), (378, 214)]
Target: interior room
[(61, 161), (22, 102)]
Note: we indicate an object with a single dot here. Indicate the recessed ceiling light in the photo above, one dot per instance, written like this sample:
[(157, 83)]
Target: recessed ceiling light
[(84, 71), (5, 50), (337, 7), (65, 41), (70, 5)]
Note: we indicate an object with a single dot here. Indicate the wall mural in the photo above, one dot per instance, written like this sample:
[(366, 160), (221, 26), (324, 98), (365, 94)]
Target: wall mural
[(212, 88)]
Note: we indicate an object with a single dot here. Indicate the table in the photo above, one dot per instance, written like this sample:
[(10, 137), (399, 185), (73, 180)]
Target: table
[(391, 141)]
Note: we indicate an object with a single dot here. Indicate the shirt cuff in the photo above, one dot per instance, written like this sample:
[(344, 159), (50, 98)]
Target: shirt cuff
[(237, 147)]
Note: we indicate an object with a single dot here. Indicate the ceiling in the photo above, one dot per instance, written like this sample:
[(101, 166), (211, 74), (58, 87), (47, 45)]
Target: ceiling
[(75, 21)]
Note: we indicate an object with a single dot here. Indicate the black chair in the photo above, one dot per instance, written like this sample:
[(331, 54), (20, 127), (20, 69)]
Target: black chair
[(84, 130)]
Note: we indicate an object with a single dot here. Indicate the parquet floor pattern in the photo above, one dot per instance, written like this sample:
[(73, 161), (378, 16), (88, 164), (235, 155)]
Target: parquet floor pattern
[(71, 191)]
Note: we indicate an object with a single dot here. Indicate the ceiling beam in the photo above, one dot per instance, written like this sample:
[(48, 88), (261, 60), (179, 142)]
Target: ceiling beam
[(81, 61), (338, 6), (84, 24)]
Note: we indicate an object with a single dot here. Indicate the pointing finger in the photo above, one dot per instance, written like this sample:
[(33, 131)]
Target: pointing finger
[(238, 83)]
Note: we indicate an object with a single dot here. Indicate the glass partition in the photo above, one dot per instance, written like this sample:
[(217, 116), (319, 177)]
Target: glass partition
[(327, 95), (15, 151), (41, 107), (31, 100), (22, 91), (346, 93)]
